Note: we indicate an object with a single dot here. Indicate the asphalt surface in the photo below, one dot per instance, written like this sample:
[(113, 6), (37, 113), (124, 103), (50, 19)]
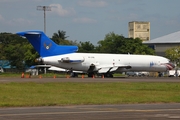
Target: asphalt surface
[(161, 111), (94, 112), (98, 79)]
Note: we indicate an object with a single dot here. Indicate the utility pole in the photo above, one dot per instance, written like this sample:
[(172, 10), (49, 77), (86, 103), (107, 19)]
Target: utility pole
[(44, 8)]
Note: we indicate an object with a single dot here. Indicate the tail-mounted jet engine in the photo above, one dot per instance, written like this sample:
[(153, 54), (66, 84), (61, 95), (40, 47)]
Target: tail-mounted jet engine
[(72, 60)]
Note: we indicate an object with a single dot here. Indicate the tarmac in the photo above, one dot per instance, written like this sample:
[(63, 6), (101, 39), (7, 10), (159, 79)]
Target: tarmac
[(96, 79), (159, 111)]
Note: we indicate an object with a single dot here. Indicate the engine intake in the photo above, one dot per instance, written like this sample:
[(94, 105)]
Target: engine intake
[(39, 60)]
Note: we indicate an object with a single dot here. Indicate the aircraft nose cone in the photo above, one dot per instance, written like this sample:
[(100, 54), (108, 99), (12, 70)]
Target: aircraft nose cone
[(170, 66)]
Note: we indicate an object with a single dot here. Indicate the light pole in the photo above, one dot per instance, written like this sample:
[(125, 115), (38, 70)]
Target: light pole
[(44, 8)]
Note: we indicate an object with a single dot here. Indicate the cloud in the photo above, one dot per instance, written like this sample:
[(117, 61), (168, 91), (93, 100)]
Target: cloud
[(133, 16), (128, 17), (14, 1), (7, 1), (58, 9), (92, 3), (17, 22), (1, 18), (22, 21), (84, 20)]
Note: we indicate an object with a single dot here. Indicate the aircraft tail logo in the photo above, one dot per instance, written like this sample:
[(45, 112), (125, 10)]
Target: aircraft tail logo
[(45, 46), (48, 46)]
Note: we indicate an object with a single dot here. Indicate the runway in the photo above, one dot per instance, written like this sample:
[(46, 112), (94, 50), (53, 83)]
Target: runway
[(161, 111), (98, 79), (94, 112)]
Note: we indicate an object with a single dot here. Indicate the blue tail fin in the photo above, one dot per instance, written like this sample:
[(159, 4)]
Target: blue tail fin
[(45, 46)]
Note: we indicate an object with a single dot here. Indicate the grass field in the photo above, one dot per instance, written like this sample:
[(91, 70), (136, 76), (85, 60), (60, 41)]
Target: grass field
[(69, 93)]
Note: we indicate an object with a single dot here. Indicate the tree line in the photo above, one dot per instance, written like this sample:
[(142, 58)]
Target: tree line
[(20, 53)]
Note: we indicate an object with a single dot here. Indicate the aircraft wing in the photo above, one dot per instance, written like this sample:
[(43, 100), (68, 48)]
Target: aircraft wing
[(53, 68), (105, 69), (57, 69)]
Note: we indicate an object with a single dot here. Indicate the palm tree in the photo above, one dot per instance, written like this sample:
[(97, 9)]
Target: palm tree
[(59, 36)]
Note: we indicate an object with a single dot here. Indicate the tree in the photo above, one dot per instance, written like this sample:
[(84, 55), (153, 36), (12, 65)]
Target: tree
[(174, 55), (30, 55), (86, 47), (17, 50), (14, 53), (118, 44), (111, 43), (5, 39), (60, 37)]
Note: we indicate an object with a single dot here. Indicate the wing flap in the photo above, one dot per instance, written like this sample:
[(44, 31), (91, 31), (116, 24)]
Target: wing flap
[(113, 69), (106, 69)]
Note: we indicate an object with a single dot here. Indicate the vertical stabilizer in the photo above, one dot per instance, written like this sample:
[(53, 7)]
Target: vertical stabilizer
[(45, 46)]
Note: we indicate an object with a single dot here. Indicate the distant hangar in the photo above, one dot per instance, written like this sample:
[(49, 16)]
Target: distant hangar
[(161, 44)]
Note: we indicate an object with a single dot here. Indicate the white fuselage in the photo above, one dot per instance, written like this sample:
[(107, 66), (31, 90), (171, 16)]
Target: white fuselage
[(83, 61)]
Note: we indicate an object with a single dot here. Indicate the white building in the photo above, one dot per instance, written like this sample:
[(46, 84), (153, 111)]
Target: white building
[(140, 30)]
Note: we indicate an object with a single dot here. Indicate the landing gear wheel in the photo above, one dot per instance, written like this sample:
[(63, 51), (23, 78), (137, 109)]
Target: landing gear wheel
[(90, 74), (74, 74), (108, 75)]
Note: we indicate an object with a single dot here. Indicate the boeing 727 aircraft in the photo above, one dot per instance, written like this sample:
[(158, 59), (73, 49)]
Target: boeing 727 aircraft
[(92, 63)]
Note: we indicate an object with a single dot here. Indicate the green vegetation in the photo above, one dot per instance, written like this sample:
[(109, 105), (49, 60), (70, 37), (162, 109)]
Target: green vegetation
[(69, 93), (174, 55), (11, 75)]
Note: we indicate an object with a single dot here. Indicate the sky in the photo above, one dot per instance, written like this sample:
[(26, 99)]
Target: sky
[(90, 20)]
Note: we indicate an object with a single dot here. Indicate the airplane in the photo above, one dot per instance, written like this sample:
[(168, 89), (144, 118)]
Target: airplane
[(65, 57)]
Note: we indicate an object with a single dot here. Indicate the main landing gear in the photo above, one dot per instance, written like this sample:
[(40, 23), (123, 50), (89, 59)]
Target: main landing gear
[(73, 74), (108, 75), (91, 72), (160, 74)]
